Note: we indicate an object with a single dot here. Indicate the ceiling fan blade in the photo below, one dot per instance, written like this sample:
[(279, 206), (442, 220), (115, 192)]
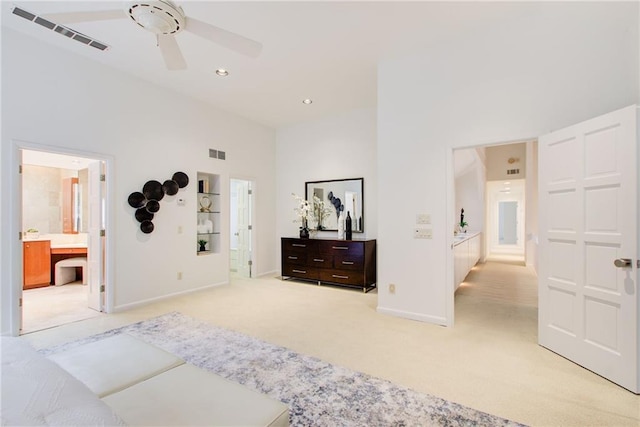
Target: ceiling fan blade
[(75, 17), (171, 52), (224, 38)]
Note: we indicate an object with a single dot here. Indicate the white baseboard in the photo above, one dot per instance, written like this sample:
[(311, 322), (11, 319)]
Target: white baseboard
[(437, 320), (125, 307), (274, 272)]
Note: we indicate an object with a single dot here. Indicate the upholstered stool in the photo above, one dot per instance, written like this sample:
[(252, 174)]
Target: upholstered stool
[(66, 270)]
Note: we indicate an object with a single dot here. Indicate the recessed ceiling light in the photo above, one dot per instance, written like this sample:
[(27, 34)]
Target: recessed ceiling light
[(507, 182), (307, 101), (222, 72)]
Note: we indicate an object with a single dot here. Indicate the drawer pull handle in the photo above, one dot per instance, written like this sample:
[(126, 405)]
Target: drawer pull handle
[(347, 262), (300, 271), (298, 245), (292, 257), (339, 277), (318, 260), (341, 247)]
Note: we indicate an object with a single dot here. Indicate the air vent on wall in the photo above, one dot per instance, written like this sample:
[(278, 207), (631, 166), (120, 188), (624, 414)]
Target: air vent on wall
[(217, 154), (72, 34)]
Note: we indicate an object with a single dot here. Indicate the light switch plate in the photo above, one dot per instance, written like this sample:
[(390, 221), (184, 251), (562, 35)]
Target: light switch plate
[(423, 219), (422, 233)]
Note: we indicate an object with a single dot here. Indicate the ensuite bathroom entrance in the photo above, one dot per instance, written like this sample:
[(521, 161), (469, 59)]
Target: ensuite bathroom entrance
[(62, 240)]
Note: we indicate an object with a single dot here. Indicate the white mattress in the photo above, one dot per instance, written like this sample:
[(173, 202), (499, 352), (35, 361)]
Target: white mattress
[(36, 391)]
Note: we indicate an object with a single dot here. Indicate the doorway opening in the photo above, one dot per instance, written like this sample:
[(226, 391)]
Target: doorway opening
[(496, 185), (505, 213), (241, 228), (61, 218)]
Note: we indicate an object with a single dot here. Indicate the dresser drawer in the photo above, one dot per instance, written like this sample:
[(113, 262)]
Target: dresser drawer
[(343, 262), (346, 277), (296, 258), (342, 248), (320, 261), (299, 245), (302, 272)]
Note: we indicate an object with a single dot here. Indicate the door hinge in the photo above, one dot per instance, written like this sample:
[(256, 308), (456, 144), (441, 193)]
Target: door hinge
[(103, 233), (249, 191), (20, 302), (19, 168), (19, 235), (103, 177), (249, 227), (101, 288), (250, 263)]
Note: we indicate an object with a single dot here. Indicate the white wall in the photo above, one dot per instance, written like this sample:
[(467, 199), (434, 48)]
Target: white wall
[(341, 146), (558, 64), (52, 97), (469, 191), (498, 165)]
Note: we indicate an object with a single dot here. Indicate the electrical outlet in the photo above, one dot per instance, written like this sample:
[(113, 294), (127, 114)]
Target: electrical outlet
[(392, 288), (422, 233), (423, 219), (179, 275)]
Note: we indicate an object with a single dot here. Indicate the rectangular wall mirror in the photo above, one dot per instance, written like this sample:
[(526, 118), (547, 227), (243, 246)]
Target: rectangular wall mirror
[(333, 196)]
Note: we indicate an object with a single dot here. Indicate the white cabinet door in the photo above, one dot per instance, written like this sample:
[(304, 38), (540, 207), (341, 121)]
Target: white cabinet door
[(588, 308)]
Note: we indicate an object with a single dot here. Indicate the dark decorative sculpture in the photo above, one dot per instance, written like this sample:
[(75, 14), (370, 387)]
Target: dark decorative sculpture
[(147, 202)]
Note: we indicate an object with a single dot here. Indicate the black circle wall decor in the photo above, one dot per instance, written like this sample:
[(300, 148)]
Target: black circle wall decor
[(170, 187), (181, 178), (137, 200), (147, 202), (152, 206), (153, 190), (146, 227), (143, 214)]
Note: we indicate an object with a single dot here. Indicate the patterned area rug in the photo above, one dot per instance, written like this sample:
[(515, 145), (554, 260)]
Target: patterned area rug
[(318, 393)]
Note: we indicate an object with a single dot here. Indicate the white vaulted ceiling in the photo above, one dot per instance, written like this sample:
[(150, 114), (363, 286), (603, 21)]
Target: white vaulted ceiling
[(325, 51)]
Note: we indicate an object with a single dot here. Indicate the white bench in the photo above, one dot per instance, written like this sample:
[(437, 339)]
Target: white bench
[(146, 385), (65, 270)]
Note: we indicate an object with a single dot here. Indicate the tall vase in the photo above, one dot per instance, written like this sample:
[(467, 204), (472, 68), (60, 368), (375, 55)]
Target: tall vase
[(347, 227), (304, 230), (340, 226)]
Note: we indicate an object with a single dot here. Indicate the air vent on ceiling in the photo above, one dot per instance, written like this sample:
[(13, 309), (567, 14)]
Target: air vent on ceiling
[(72, 34)]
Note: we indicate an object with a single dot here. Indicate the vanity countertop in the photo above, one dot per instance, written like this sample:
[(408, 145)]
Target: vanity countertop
[(68, 245), (461, 237)]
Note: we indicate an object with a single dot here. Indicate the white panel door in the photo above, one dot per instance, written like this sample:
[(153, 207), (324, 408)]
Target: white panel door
[(244, 233), (588, 307), (95, 246)]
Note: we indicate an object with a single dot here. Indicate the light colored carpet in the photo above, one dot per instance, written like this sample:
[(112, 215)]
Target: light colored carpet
[(317, 393), (489, 360)]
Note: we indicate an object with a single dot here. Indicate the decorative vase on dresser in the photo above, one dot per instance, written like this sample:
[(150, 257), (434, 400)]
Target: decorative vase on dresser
[(348, 263)]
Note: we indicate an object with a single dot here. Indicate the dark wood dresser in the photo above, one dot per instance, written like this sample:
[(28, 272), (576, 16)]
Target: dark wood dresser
[(341, 262)]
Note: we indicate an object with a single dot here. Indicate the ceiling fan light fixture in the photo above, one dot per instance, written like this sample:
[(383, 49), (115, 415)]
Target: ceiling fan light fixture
[(159, 17), (307, 101), (222, 72)]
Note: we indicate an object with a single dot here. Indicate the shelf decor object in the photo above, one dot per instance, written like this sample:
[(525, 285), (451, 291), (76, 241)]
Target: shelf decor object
[(147, 202), (208, 212)]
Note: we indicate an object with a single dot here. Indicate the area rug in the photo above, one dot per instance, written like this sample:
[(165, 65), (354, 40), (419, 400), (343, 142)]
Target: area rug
[(317, 393)]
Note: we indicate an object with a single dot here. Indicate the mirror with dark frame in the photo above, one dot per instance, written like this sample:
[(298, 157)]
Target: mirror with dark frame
[(330, 198)]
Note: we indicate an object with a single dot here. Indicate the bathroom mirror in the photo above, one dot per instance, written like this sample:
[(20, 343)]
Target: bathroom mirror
[(335, 196)]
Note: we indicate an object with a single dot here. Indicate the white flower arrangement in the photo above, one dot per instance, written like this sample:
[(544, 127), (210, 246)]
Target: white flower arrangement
[(302, 209), (320, 211)]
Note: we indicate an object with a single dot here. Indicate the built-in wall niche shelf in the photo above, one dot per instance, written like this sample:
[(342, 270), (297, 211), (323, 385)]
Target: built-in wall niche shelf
[(208, 214)]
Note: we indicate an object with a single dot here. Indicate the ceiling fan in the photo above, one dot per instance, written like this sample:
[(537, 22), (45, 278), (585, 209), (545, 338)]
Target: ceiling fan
[(165, 19)]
